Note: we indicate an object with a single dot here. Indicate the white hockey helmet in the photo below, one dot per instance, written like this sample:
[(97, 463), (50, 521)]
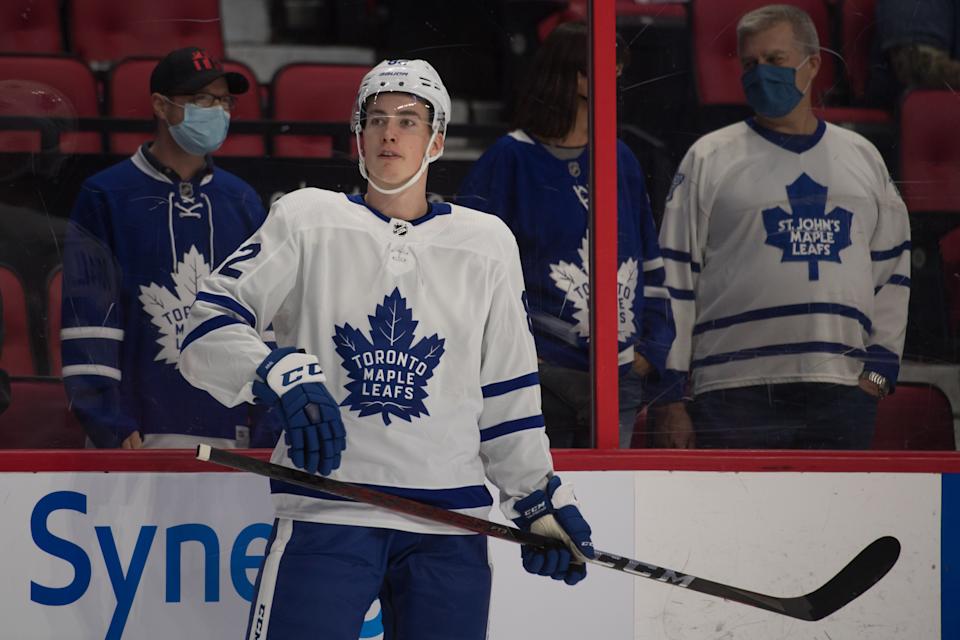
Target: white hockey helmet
[(416, 77)]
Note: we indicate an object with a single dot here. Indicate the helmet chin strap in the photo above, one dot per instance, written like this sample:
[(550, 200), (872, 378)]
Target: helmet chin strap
[(406, 185)]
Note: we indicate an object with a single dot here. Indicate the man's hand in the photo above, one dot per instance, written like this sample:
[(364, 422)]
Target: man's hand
[(674, 429), (312, 424), (870, 387), (554, 513), (641, 366), (133, 441)]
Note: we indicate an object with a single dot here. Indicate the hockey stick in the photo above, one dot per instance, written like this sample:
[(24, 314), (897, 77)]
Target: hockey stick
[(861, 573)]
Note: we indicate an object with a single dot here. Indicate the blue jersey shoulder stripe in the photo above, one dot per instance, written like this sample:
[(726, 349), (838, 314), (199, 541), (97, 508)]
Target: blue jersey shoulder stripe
[(511, 426), (500, 388), (680, 256), (455, 498), (877, 256), (206, 327), (229, 303), (785, 311), (793, 348)]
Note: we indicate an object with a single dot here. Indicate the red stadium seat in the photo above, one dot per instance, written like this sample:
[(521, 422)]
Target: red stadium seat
[(30, 26), (930, 151), (38, 417), (103, 31), (129, 97), (858, 28), (54, 290), (323, 93), (15, 355), (916, 417), (49, 86), (577, 10)]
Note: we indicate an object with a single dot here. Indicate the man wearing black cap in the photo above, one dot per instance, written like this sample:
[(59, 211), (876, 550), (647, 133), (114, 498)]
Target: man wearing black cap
[(142, 234)]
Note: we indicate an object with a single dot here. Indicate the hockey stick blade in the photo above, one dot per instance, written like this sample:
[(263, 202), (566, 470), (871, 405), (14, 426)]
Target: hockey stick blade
[(861, 573)]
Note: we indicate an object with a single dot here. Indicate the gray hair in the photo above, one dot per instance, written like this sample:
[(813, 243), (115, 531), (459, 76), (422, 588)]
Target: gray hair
[(804, 31)]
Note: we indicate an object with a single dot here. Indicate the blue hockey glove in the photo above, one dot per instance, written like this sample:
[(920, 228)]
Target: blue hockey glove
[(313, 428), (555, 514)]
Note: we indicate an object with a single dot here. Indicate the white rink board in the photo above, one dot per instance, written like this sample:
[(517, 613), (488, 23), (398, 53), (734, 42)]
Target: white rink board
[(778, 533)]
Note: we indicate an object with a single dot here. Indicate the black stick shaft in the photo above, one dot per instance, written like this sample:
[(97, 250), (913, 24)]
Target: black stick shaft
[(861, 573)]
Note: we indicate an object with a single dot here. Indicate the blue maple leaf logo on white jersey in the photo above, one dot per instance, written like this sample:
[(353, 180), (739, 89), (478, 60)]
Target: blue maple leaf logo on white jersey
[(811, 234), (389, 373)]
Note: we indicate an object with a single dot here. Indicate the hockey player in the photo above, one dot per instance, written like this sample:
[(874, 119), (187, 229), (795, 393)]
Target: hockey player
[(787, 253), (143, 233), (406, 364), (536, 179)]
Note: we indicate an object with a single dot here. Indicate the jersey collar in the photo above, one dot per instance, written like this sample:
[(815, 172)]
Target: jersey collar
[(434, 209), (202, 175), (791, 142)]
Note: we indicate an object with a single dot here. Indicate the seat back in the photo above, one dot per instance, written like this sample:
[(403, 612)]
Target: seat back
[(49, 86), (54, 292), (857, 28), (103, 31), (128, 96), (930, 151), (714, 34), (15, 354), (916, 417), (30, 26), (38, 417), (319, 92)]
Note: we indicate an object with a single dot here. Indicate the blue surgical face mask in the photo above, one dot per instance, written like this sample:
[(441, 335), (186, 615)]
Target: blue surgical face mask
[(203, 130), (772, 91)]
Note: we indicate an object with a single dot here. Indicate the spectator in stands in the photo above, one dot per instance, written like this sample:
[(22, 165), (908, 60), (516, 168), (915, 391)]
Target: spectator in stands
[(143, 233), (787, 253), (536, 179), (917, 45)]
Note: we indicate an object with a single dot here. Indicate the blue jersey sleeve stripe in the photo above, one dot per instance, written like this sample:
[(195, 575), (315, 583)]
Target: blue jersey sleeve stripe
[(680, 256), (210, 325), (472, 497), (511, 426), (902, 281), (102, 351), (889, 254), (784, 311), (681, 294), (500, 388), (230, 304), (793, 348)]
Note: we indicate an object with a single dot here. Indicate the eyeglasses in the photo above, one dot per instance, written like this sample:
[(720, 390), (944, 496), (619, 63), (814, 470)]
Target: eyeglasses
[(206, 100)]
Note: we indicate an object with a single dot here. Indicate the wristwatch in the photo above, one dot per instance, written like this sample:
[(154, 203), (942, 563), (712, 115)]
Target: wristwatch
[(881, 381)]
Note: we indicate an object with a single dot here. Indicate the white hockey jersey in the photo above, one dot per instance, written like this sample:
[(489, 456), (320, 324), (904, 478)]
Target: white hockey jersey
[(422, 331), (787, 260)]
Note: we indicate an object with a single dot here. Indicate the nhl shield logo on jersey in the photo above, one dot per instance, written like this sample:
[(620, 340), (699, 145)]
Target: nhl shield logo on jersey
[(810, 234), (389, 373)]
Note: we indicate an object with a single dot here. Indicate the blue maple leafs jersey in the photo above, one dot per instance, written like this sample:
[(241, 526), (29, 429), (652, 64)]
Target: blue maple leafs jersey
[(422, 333), (544, 200), (787, 259), (138, 244)]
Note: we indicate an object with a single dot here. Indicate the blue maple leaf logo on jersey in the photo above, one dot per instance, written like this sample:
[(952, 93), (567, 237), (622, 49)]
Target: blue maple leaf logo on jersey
[(388, 374), (810, 234)]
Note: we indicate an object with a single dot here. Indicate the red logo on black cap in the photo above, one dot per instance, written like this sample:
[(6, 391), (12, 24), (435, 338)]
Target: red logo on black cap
[(201, 61)]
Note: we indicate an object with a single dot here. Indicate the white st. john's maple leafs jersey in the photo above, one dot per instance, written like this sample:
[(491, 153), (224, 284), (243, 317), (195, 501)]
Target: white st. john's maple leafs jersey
[(787, 260), (422, 331)]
